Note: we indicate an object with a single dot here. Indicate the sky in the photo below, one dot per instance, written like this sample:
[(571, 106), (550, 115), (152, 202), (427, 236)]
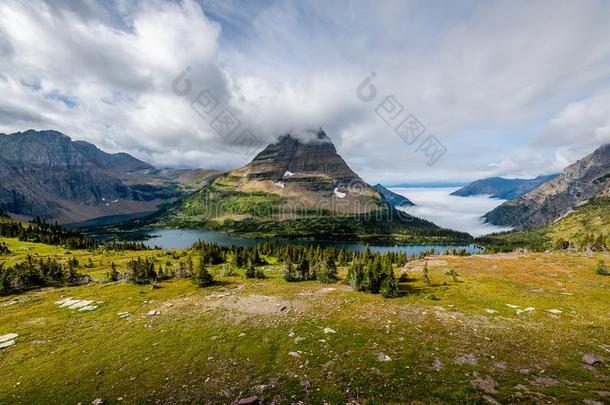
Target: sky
[(407, 90)]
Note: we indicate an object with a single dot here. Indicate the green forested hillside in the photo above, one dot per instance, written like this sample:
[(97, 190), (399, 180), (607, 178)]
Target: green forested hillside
[(586, 227)]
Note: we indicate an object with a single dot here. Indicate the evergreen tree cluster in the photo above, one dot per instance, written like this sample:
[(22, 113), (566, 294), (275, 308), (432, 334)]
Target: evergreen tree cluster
[(374, 273), (117, 245), (32, 273), (141, 271), (238, 256), (595, 242), (145, 271), (39, 231)]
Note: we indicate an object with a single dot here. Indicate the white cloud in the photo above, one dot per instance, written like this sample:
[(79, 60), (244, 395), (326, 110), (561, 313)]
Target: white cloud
[(483, 77), (584, 123)]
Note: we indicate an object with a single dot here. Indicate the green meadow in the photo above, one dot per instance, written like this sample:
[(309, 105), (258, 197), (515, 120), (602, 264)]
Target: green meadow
[(508, 328)]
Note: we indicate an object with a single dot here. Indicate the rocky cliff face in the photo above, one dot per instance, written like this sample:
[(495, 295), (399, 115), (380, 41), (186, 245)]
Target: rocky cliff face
[(584, 180), (46, 174), (292, 160)]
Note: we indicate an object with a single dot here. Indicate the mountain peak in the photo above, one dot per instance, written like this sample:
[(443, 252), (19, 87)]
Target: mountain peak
[(301, 158)]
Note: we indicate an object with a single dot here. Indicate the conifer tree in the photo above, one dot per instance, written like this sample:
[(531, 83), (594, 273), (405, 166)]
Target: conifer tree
[(355, 275), (203, 278), (113, 275), (426, 275), (327, 271), (289, 272), (389, 288), (250, 270)]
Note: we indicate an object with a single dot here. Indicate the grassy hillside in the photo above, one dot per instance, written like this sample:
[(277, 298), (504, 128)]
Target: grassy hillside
[(588, 226), (264, 214), (453, 341)]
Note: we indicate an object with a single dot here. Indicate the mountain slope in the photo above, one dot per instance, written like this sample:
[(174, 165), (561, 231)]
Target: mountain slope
[(46, 174), (396, 200), (584, 180), (586, 227), (505, 189), (297, 188)]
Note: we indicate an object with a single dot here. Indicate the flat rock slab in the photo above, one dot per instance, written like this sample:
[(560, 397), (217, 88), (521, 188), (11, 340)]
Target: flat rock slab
[(6, 344), (7, 337), (592, 359), (80, 305)]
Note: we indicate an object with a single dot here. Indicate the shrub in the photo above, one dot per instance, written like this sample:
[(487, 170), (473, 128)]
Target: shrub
[(4, 250), (113, 275), (453, 274), (601, 268), (227, 270)]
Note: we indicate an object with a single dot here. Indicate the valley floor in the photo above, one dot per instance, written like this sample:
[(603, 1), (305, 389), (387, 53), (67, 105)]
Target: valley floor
[(531, 328)]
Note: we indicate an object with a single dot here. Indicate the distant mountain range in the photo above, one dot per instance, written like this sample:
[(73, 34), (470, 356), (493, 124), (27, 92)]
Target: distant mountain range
[(45, 174), (586, 180), (505, 189)]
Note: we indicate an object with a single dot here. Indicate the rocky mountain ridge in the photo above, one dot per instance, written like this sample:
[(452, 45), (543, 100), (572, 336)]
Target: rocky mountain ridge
[(587, 179), (47, 174)]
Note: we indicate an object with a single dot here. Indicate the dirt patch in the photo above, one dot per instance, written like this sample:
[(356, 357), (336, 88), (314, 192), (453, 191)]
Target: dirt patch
[(418, 265), (542, 381), (488, 385), (468, 359), (257, 304)]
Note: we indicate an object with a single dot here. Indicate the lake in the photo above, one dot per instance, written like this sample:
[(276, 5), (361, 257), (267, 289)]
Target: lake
[(184, 238)]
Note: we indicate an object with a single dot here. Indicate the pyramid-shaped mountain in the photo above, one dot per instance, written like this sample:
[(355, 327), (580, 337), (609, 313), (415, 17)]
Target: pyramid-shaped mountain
[(290, 157), (307, 175), (299, 188)]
